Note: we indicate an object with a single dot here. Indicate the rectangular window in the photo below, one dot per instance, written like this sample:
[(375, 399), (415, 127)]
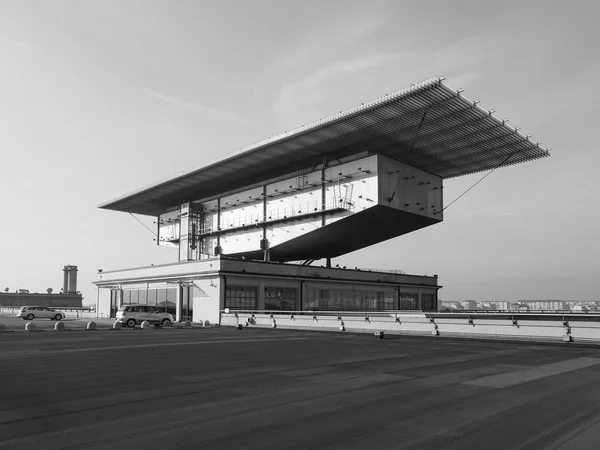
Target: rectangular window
[(387, 302), (427, 302), (241, 297), (407, 301), (280, 299), (348, 300)]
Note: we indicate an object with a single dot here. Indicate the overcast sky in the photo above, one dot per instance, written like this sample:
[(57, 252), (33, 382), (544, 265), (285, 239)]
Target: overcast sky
[(101, 98)]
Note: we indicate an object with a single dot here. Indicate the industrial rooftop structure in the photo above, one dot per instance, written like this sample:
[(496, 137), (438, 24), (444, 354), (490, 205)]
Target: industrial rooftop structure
[(335, 186), (429, 126)]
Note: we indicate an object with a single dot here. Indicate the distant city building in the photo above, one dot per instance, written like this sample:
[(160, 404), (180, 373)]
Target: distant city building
[(68, 298), (502, 306), (451, 305), (469, 304), (580, 308), (519, 306), (545, 305)]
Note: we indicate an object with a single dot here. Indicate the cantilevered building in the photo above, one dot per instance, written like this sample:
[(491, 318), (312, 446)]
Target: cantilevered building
[(343, 183)]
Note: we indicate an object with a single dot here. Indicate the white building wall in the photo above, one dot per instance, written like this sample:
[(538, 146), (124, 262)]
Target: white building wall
[(103, 307), (281, 233), (240, 221), (294, 196), (242, 209), (168, 228), (210, 215), (409, 189), (241, 241), (184, 233), (206, 300), (354, 182)]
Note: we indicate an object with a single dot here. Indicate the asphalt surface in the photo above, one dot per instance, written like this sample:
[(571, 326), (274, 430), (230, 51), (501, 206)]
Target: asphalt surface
[(262, 389)]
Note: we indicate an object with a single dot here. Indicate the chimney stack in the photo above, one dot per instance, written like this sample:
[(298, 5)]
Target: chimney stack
[(70, 280)]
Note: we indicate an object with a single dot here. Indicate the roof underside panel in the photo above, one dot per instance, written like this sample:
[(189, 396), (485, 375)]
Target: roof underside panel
[(429, 126)]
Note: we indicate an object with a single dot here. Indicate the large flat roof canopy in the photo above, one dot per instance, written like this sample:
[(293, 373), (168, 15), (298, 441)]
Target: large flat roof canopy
[(428, 125)]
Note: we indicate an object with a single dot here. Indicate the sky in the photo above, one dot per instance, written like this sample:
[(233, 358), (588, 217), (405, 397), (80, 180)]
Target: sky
[(102, 98)]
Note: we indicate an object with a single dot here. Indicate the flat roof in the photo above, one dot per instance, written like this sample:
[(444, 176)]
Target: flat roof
[(427, 125)]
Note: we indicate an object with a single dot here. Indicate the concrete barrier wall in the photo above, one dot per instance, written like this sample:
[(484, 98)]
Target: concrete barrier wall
[(585, 330), (68, 312), (541, 329)]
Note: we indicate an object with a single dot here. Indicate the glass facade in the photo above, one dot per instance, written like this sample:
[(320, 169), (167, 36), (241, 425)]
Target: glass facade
[(163, 299), (346, 300), (280, 299), (241, 297)]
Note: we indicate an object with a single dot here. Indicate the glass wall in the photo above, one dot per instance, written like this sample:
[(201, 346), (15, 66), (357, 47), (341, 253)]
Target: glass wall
[(241, 297), (346, 300), (277, 299), (164, 299)]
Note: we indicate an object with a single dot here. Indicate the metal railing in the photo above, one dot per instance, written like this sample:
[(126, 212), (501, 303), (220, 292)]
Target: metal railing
[(314, 314), (277, 214), (499, 315)]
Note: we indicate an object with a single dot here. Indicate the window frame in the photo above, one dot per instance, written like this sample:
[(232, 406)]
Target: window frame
[(243, 302)]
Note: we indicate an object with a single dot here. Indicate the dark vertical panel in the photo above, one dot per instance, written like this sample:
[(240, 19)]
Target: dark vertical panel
[(171, 301), (161, 299), (152, 293)]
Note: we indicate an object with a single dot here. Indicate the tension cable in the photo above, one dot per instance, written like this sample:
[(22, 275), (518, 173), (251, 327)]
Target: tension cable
[(477, 182), (144, 225)]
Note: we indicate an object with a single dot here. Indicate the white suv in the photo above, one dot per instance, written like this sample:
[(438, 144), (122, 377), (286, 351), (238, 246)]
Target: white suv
[(130, 315), (39, 312)]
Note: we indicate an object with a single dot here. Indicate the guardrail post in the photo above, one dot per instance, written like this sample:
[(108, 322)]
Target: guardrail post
[(567, 331), (435, 330)]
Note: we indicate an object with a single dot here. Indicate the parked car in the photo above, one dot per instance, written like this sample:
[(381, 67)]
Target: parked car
[(39, 312), (130, 315)]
